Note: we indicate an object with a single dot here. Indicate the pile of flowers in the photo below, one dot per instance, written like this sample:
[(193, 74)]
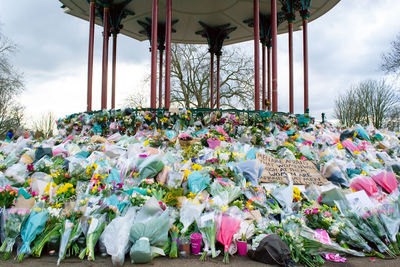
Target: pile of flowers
[(155, 183)]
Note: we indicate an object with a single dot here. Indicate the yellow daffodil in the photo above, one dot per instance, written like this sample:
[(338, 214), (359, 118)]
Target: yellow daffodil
[(146, 143), (196, 167)]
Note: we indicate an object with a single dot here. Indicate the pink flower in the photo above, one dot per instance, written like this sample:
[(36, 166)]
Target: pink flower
[(8, 187), (334, 257), (315, 211), (307, 211), (1, 189), (35, 193)]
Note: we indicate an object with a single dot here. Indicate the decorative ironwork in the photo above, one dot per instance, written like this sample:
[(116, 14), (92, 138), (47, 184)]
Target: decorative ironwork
[(146, 25), (216, 36), (265, 26)]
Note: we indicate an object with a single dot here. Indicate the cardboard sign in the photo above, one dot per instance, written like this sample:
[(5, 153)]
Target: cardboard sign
[(302, 172)]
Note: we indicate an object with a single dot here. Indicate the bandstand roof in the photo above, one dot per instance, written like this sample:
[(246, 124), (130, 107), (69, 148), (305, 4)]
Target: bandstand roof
[(190, 12)]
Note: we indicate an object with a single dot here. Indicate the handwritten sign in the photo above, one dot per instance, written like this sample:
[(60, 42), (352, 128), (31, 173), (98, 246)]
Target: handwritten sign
[(302, 172)]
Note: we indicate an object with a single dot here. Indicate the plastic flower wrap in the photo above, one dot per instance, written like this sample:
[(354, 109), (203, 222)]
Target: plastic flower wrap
[(31, 229), (346, 233), (364, 183), (189, 212), (53, 226), (116, 236), (207, 227), (368, 233), (387, 180), (97, 223), (284, 195), (224, 192), (13, 220), (148, 237), (315, 241), (228, 223), (174, 232), (70, 233)]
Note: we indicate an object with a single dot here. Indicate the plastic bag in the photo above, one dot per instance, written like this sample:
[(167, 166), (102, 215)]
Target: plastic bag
[(116, 237)]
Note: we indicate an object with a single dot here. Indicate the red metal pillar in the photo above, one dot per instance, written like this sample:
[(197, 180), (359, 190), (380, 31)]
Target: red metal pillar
[(90, 59), (305, 63), (168, 29), (256, 14), (269, 77), (154, 23), (105, 57), (291, 97), (212, 81), (218, 78), (114, 70), (274, 56), (264, 81), (160, 80)]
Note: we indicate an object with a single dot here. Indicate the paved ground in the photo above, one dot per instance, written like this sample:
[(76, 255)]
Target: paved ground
[(193, 261)]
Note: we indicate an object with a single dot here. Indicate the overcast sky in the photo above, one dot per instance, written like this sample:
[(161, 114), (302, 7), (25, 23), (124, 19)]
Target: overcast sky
[(345, 47)]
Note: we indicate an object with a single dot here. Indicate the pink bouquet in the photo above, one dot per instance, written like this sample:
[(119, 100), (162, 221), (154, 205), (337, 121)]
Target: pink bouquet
[(227, 226), (364, 183), (213, 143), (387, 180)]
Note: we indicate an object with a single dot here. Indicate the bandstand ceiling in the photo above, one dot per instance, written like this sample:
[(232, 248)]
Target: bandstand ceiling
[(190, 12)]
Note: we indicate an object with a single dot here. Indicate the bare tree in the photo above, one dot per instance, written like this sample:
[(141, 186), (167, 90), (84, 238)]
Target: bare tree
[(45, 126), (367, 102), (11, 85), (391, 60), (190, 77), (136, 100)]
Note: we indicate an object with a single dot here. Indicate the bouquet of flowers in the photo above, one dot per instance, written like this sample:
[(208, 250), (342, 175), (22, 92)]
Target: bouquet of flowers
[(228, 224), (13, 220), (317, 218), (116, 236), (7, 196), (208, 230), (97, 223), (346, 234), (365, 230), (53, 226), (33, 227), (70, 232), (174, 232)]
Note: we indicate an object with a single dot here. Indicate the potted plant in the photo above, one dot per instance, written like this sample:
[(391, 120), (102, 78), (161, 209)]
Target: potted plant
[(242, 245)]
